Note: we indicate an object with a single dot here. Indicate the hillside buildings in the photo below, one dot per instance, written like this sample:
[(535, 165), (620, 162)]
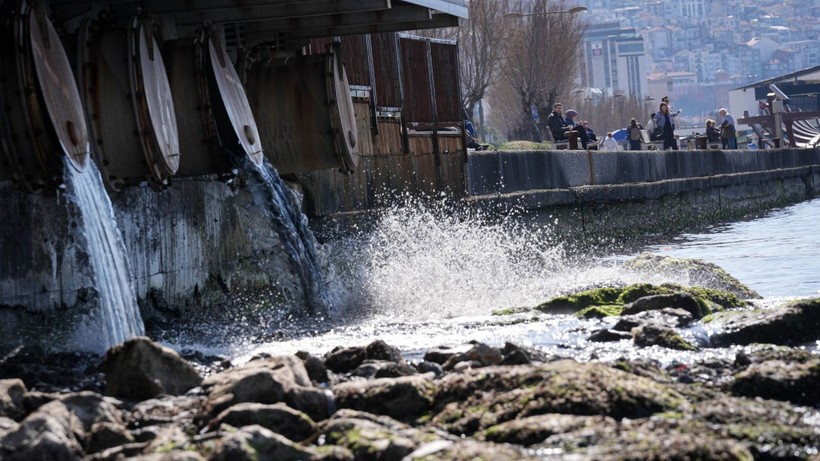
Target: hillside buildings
[(696, 50)]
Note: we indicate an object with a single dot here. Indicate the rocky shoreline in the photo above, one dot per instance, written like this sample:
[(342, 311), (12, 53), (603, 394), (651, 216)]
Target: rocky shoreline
[(466, 402)]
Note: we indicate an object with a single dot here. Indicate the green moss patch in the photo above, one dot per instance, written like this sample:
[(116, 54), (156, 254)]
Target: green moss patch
[(609, 301), (599, 312)]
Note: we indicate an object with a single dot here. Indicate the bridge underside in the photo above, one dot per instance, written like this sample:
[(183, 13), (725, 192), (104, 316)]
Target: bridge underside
[(285, 22)]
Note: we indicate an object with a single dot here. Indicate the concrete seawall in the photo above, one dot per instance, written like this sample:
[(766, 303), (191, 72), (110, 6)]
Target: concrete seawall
[(625, 192), (188, 247)]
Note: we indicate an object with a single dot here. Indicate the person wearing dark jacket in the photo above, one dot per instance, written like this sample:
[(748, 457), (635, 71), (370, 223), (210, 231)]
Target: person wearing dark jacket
[(558, 126), (634, 134), (590, 132), (712, 133)]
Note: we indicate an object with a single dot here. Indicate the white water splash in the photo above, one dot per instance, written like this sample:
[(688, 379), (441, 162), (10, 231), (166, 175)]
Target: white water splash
[(422, 262), (117, 318)]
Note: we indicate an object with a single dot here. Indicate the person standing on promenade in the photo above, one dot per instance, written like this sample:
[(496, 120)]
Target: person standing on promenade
[(674, 113), (712, 133), (634, 134), (664, 119), (728, 130)]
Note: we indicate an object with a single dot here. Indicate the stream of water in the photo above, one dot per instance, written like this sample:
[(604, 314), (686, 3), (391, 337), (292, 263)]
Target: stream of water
[(117, 317)]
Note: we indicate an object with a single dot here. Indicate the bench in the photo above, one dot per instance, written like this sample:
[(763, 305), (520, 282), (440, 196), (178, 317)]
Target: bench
[(648, 144)]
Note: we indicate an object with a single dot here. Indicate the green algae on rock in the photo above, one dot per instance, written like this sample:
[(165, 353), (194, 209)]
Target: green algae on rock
[(605, 300)]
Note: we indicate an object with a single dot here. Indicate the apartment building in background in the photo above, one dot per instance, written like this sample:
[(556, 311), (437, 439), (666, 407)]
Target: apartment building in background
[(615, 60)]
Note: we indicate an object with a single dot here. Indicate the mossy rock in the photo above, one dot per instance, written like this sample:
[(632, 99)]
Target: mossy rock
[(717, 300), (599, 312), (606, 299), (657, 335), (578, 301), (481, 398), (531, 430), (637, 291)]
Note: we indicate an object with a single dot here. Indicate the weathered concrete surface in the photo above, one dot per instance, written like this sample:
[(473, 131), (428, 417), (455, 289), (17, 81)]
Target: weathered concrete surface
[(190, 246), (492, 173), (626, 192)]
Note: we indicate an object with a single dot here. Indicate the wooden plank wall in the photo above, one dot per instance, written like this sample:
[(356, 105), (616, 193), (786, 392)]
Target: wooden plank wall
[(384, 171)]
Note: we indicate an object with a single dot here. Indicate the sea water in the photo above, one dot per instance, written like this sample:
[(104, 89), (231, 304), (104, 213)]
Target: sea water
[(422, 275)]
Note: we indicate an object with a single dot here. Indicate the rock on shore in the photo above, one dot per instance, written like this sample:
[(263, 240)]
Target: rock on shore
[(461, 402)]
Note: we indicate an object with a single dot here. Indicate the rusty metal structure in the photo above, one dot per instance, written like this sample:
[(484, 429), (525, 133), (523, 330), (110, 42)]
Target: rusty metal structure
[(153, 90), (42, 118)]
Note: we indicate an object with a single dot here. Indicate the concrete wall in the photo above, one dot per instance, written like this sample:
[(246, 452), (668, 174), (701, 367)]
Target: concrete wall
[(624, 193), (507, 172), (188, 246)]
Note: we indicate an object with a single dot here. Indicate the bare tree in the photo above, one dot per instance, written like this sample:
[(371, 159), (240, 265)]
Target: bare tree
[(481, 44), (543, 54), (481, 48)]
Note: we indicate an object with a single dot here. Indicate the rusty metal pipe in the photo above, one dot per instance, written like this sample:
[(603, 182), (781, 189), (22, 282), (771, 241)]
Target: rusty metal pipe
[(129, 104), (305, 112), (42, 117), (204, 82)]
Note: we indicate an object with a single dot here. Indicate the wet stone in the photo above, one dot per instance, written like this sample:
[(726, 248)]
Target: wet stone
[(345, 359), (11, 398), (315, 367), (480, 355), (139, 369), (658, 335), (442, 353), (682, 301), (801, 319), (606, 335)]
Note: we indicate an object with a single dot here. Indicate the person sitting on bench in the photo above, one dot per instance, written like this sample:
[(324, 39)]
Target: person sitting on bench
[(560, 127)]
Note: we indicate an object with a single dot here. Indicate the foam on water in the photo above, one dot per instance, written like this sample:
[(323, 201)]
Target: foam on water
[(117, 317)]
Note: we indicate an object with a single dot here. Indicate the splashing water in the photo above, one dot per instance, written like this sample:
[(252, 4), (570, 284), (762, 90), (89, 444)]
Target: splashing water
[(424, 275), (298, 241), (118, 317), (425, 261)]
